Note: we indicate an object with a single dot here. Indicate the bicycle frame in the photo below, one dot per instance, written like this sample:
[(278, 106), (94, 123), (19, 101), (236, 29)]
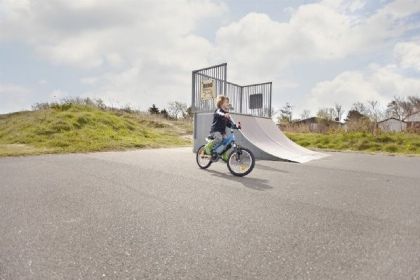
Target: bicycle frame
[(229, 152), (229, 140)]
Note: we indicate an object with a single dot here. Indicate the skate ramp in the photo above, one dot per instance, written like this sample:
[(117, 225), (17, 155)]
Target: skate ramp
[(265, 135), (260, 135)]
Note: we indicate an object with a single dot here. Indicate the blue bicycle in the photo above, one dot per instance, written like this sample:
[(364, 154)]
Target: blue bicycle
[(240, 161)]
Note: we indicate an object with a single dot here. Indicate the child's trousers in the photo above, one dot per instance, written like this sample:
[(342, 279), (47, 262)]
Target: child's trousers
[(218, 139)]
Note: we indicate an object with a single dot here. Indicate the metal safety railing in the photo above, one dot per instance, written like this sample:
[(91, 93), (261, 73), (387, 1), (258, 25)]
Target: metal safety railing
[(210, 82)]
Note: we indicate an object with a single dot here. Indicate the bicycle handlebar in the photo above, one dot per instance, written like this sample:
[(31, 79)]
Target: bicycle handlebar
[(236, 125)]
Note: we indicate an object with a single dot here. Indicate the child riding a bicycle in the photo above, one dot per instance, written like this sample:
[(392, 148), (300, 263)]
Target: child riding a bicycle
[(240, 160), (221, 120)]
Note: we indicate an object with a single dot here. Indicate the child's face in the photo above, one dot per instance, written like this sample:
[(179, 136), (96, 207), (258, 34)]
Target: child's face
[(225, 105)]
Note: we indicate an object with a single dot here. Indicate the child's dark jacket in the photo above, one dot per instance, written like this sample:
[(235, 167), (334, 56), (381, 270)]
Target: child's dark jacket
[(220, 122)]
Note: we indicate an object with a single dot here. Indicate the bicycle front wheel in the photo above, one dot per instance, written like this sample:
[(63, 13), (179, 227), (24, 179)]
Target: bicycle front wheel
[(241, 162)]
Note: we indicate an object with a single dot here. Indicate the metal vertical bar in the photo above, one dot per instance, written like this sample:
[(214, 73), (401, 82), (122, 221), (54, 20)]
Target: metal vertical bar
[(271, 99), (268, 98), (264, 100), (225, 76), (267, 101), (236, 93), (246, 100), (195, 125), (253, 111), (193, 91), (240, 99), (215, 74)]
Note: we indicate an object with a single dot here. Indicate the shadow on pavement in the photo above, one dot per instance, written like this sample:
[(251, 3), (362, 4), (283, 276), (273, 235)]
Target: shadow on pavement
[(269, 168), (252, 183)]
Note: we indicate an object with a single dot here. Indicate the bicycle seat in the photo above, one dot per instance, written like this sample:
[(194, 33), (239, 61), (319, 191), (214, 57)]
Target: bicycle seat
[(210, 137)]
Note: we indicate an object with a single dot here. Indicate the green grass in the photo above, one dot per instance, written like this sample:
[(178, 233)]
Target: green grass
[(69, 128), (81, 128), (396, 143)]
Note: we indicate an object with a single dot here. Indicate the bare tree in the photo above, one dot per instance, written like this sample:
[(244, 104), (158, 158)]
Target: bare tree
[(360, 107), (270, 112), (401, 108), (164, 113), (357, 121), (326, 114), (338, 112), (286, 112), (189, 113), (375, 112), (395, 108), (415, 102), (177, 109), (407, 107), (154, 110), (305, 114)]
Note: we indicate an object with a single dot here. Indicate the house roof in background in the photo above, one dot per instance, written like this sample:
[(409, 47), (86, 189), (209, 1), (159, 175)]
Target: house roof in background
[(415, 117), (391, 118)]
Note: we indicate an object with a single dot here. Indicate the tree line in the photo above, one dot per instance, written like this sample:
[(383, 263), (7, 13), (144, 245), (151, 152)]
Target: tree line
[(399, 108), (175, 110)]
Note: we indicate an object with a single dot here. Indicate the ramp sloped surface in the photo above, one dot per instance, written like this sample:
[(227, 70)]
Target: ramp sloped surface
[(265, 135)]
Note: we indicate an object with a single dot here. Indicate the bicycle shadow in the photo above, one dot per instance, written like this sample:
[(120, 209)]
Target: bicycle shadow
[(248, 182)]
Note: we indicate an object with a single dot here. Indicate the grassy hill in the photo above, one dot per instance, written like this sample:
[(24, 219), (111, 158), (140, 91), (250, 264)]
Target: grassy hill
[(80, 126), (385, 142), (72, 127)]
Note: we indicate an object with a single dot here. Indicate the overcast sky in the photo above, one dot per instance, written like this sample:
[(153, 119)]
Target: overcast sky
[(140, 52)]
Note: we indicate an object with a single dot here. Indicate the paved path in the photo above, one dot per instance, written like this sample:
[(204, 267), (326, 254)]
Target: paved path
[(153, 214)]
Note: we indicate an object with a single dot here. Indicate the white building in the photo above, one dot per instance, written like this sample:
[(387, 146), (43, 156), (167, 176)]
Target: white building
[(393, 125), (413, 122), (413, 117)]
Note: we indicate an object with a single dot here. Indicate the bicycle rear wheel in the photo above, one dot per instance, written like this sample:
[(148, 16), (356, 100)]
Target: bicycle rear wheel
[(203, 160)]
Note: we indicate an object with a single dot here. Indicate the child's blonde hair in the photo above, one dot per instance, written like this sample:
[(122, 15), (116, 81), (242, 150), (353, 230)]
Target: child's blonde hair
[(220, 100)]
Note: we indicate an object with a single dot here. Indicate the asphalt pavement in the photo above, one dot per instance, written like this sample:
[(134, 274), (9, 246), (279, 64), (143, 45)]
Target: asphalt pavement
[(153, 214)]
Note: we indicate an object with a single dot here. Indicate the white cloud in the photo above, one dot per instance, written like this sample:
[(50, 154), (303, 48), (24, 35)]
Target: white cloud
[(262, 48), (408, 54), (258, 44), (13, 97), (356, 5), (345, 5), (345, 89), (57, 95), (323, 31), (143, 51), (140, 47), (380, 83), (79, 52), (90, 33), (12, 89)]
